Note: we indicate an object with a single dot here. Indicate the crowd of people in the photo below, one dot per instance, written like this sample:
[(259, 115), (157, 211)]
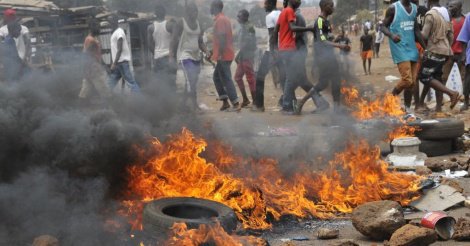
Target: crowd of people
[(425, 42)]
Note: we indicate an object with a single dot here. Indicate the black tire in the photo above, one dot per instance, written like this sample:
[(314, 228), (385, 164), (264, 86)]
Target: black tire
[(436, 148), (438, 129), (193, 212)]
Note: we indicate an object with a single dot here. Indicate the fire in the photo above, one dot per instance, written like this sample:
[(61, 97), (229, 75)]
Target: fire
[(386, 105), (214, 235), (257, 189)]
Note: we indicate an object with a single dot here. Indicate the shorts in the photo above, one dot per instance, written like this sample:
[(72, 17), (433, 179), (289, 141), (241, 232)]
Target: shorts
[(367, 54), (431, 67)]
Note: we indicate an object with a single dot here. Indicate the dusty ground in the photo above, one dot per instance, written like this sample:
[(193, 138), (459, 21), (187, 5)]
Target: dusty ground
[(245, 131)]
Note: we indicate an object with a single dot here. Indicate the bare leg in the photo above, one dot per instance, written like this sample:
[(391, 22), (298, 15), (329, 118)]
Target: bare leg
[(364, 66), (454, 96), (370, 64)]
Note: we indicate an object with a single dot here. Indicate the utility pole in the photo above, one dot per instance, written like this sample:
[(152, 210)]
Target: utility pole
[(376, 11)]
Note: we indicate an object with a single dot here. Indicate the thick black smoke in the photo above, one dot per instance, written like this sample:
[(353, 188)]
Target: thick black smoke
[(63, 162)]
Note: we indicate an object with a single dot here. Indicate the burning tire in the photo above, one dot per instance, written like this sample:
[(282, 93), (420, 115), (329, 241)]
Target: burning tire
[(160, 215), (439, 129)]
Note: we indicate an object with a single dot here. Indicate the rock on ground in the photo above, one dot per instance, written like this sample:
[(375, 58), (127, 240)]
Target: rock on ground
[(378, 220), (462, 230), (326, 233), (423, 171), (45, 240), (410, 235), (439, 164)]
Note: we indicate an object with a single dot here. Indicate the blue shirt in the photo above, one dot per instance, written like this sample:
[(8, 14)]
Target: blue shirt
[(464, 37), (404, 25)]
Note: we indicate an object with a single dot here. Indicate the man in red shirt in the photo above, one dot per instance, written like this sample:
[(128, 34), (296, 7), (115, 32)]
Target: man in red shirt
[(458, 19), (285, 33), (223, 53)]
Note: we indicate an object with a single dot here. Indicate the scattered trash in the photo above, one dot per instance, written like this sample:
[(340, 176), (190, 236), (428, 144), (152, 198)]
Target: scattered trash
[(204, 106), (300, 238), (391, 78), (412, 235), (438, 199), (279, 132), (427, 184), (455, 174), (378, 220), (441, 223), (462, 230), (326, 233)]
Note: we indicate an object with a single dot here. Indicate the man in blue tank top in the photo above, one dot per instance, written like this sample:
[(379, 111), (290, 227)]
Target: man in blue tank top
[(401, 27)]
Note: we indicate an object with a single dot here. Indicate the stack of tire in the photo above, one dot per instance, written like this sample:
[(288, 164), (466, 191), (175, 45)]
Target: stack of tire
[(438, 136)]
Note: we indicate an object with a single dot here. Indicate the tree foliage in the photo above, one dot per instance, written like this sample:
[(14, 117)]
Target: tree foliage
[(347, 8)]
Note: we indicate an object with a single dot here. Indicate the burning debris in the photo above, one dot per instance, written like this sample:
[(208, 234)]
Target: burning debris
[(257, 190)]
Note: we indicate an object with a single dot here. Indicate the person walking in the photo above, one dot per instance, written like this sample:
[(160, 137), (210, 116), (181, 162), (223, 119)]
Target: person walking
[(12, 63), (120, 57), (186, 47), (327, 63), (438, 33), (458, 19), (379, 38), (366, 50), (223, 54), (401, 27), (23, 41), (94, 71), (245, 57), (464, 38), (159, 33), (343, 39), (269, 60), (285, 32)]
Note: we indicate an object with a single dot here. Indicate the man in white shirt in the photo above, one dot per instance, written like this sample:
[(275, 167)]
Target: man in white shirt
[(379, 38), (160, 33), (120, 57), (268, 59), (23, 42)]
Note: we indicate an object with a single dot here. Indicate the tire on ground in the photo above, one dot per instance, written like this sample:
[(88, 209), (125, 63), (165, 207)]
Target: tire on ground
[(436, 148), (160, 215), (438, 129)]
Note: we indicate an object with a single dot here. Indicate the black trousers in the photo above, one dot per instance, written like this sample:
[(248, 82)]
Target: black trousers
[(267, 63)]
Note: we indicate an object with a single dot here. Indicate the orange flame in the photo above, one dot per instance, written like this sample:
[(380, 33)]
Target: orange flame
[(383, 106), (208, 234), (257, 188), (386, 105)]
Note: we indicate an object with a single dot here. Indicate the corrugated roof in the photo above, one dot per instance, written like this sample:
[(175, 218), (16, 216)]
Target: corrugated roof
[(29, 3)]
